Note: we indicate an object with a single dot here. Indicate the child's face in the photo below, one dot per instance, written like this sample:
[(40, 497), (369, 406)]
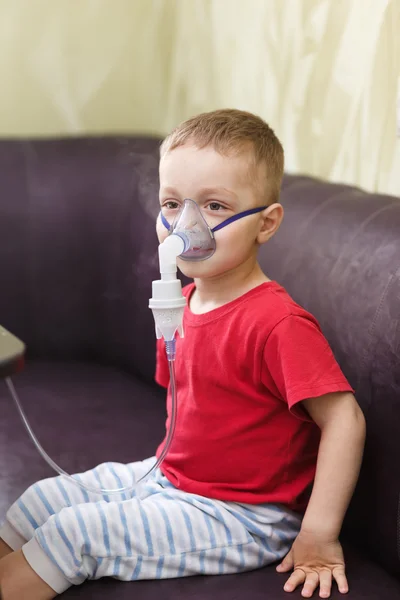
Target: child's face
[(222, 186)]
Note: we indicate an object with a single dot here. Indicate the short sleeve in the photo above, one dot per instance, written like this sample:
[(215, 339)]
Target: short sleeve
[(298, 363), (162, 369)]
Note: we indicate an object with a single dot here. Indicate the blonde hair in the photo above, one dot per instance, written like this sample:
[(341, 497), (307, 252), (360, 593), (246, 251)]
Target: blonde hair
[(234, 131)]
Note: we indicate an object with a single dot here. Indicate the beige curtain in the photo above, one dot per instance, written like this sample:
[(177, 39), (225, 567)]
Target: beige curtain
[(324, 73), (71, 67)]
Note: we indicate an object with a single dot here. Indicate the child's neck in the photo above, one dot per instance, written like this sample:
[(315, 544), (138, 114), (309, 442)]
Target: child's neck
[(214, 292)]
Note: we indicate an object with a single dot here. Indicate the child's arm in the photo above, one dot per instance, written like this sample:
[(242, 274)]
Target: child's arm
[(316, 554)]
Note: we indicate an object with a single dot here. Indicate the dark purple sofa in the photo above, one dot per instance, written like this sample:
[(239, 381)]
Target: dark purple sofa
[(77, 257)]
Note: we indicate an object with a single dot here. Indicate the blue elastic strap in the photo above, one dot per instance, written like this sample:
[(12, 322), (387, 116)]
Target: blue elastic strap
[(165, 222), (245, 213)]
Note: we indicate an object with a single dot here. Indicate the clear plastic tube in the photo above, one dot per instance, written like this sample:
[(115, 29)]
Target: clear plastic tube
[(170, 349), (171, 430)]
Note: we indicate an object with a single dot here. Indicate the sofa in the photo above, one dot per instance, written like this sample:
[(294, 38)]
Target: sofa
[(78, 252)]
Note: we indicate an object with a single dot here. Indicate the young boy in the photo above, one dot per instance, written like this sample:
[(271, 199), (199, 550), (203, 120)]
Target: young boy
[(269, 437)]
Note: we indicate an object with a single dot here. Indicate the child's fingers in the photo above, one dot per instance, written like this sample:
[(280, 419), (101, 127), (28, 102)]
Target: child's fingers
[(297, 578), (310, 585), (287, 564), (325, 583), (341, 580)]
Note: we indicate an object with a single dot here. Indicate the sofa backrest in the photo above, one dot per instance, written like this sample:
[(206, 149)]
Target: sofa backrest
[(78, 248), (338, 254)]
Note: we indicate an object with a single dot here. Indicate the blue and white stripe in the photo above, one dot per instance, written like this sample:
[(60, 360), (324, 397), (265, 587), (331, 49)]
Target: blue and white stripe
[(164, 533)]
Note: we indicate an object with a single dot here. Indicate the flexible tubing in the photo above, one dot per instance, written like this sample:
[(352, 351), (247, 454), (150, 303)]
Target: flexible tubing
[(96, 490)]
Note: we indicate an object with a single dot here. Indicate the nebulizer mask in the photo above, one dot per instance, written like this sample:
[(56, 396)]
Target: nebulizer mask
[(191, 239)]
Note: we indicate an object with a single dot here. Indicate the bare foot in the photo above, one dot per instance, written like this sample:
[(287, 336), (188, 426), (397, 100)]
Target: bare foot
[(4, 550), (18, 581)]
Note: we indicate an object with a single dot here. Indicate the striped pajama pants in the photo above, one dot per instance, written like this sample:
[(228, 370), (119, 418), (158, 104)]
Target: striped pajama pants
[(69, 535)]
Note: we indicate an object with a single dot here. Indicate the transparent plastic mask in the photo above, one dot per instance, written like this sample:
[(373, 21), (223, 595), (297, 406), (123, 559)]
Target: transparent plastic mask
[(198, 237), (190, 224)]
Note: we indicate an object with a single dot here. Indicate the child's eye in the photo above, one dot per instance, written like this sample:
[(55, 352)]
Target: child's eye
[(171, 205), (215, 206)]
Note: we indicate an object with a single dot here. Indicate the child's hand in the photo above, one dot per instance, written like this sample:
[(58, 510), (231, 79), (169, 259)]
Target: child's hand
[(315, 561)]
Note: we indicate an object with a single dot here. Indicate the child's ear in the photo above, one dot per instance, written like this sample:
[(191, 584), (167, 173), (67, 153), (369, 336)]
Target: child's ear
[(271, 221)]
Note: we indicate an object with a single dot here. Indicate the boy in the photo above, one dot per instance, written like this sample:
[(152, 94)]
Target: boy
[(264, 412)]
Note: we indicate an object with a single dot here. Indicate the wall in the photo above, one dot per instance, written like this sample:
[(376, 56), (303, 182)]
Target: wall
[(324, 73)]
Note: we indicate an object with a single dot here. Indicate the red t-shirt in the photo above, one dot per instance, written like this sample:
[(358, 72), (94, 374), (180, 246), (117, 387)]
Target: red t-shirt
[(242, 371)]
